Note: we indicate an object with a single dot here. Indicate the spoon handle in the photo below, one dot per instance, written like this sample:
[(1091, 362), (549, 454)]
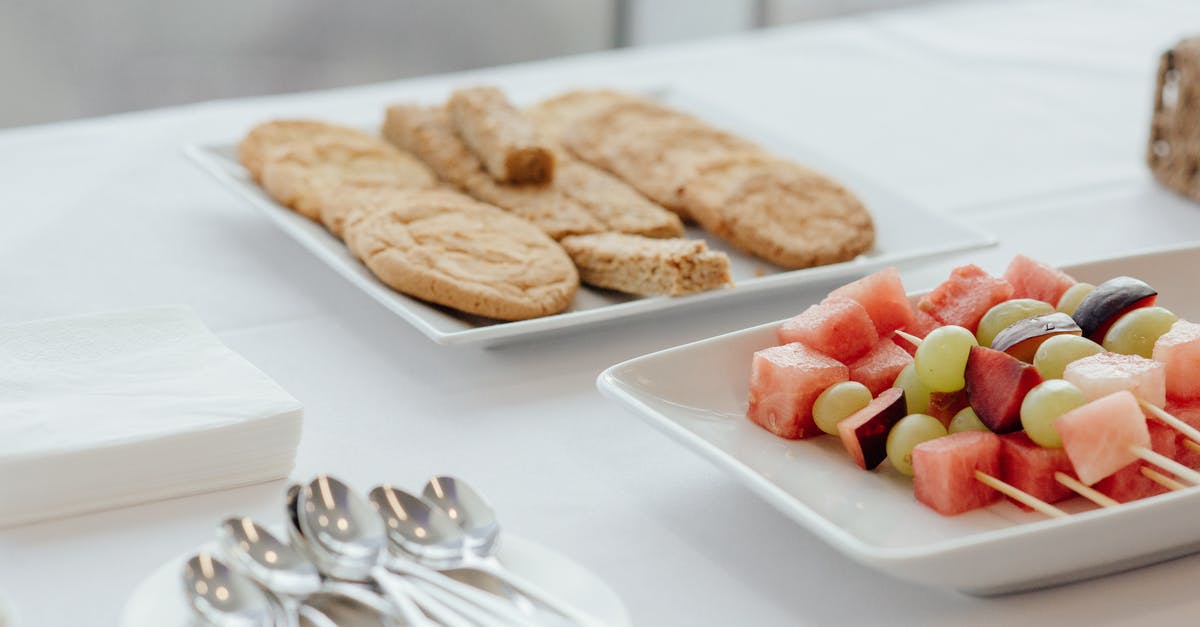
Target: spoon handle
[(534, 592), (502, 612), (400, 594)]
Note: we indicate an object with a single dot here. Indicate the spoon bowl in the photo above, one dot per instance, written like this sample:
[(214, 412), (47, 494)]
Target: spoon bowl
[(225, 598), (266, 559), (340, 528), (469, 510), (417, 528)]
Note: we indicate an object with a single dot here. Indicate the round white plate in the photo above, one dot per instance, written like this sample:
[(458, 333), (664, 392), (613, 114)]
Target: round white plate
[(158, 600)]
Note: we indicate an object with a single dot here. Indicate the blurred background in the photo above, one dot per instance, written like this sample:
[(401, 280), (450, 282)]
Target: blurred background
[(62, 59)]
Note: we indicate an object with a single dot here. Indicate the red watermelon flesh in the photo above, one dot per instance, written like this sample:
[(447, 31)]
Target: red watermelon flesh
[(965, 297), (1098, 436), (1033, 279), (1188, 412), (837, 327), (944, 471), (1179, 352), (784, 382), (864, 433), (878, 368), (1129, 484), (996, 384), (943, 405), (922, 324), (1104, 373), (883, 296), (1030, 467)]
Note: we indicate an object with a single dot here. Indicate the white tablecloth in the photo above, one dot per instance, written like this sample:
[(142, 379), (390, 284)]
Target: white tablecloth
[(1026, 119)]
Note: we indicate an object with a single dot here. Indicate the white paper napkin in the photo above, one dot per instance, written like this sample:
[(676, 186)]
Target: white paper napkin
[(119, 408)]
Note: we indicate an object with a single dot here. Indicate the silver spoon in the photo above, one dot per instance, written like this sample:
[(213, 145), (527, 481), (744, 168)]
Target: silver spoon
[(348, 539), (275, 565), (422, 538), (225, 598), (339, 606), (475, 516)]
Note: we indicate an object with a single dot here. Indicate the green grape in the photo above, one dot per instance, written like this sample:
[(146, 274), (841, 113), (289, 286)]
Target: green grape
[(1045, 402), (941, 359), (1136, 332), (966, 420), (837, 402), (1070, 298), (1054, 354), (916, 395), (1000, 316), (905, 435)]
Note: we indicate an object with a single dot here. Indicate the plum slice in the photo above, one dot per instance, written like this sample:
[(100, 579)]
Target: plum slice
[(1109, 301), (996, 384), (864, 433), (1022, 338)]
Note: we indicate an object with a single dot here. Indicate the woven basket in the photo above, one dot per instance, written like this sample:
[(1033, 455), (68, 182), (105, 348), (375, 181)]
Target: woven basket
[(1174, 150)]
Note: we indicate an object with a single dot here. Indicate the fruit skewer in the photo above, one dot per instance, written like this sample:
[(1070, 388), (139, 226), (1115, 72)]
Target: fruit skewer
[(1141, 452)]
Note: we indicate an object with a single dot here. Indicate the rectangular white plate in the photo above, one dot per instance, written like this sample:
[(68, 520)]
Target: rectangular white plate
[(904, 233), (697, 395)]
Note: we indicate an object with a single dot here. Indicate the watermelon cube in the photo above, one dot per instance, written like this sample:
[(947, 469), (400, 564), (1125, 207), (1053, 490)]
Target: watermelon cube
[(1100, 435), (1033, 279), (1188, 412), (944, 471), (1104, 373), (882, 294), (1129, 484), (879, 367), (784, 382), (837, 327), (963, 298), (1030, 467), (1179, 351)]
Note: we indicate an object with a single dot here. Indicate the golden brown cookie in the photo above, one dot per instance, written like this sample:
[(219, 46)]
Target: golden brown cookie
[(555, 116), (428, 133), (652, 147), (647, 266), (445, 248), (507, 142), (265, 138), (783, 212), (302, 174), (612, 201)]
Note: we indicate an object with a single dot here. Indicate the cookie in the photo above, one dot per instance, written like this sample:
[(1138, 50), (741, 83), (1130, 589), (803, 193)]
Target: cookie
[(301, 175), (780, 211), (647, 266), (445, 248), (428, 133), (341, 201), (556, 115), (265, 138), (504, 140), (653, 148), (612, 201)]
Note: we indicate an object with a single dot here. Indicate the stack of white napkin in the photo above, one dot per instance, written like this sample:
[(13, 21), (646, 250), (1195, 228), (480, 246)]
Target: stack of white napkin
[(120, 408)]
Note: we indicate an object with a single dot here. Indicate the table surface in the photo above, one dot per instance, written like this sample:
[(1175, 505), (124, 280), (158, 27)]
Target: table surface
[(1026, 119)]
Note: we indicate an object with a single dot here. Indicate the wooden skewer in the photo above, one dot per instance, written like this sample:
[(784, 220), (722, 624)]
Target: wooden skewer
[(1087, 492), (1162, 479), (1191, 432), (1162, 461), (1020, 495), (912, 339)]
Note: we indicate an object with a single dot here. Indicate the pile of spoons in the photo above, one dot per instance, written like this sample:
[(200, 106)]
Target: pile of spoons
[(392, 558)]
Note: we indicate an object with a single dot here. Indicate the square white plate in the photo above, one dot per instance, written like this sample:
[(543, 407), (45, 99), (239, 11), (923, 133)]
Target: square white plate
[(697, 395), (904, 233)]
